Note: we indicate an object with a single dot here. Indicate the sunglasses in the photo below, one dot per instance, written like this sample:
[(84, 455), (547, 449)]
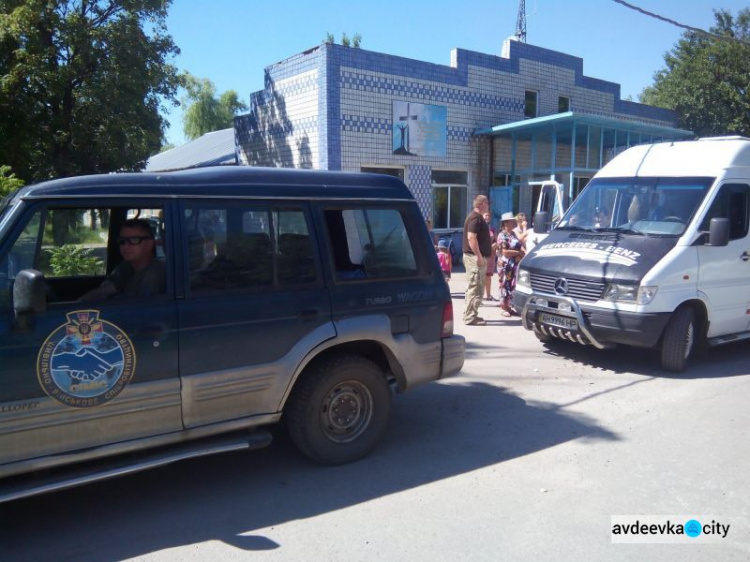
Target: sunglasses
[(132, 240)]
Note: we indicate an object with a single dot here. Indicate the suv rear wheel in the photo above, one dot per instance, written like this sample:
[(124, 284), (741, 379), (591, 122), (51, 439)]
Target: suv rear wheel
[(339, 410)]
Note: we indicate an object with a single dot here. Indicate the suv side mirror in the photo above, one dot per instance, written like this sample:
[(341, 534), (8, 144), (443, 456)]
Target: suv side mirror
[(541, 222), (718, 233), (29, 293)]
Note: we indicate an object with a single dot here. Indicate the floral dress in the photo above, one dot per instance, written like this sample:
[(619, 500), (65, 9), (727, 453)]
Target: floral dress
[(507, 267)]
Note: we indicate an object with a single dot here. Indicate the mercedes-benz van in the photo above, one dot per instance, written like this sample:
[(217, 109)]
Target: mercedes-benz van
[(655, 252)]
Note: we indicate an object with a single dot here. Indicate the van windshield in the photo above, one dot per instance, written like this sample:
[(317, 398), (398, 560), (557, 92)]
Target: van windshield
[(660, 206)]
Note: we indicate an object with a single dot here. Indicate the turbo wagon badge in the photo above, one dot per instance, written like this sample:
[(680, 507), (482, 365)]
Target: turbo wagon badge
[(85, 362)]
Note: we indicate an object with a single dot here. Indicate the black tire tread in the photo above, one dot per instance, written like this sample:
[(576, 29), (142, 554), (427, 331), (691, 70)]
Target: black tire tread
[(298, 410), (673, 342)]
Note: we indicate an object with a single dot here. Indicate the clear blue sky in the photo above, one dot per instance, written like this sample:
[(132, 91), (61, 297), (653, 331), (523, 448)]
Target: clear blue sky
[(230, 42)]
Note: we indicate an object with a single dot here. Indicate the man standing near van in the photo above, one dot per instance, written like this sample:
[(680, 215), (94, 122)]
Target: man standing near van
[(477, 246)]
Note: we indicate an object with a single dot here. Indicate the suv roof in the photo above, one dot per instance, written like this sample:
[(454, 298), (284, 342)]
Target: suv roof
[(226, 181)]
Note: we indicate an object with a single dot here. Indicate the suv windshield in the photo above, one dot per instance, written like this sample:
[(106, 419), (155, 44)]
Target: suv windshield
[(661, 206)]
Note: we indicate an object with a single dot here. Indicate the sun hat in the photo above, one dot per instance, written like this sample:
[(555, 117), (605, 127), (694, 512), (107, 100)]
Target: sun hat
[(442, 244), (507, 217)]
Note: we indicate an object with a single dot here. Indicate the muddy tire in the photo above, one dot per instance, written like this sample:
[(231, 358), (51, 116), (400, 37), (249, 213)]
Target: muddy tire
[(679, 340), (338, 411)]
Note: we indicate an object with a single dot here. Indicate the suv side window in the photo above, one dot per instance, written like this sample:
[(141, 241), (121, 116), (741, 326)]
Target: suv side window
[(369, 243), (73, 247), (732, 202), (247, 247)]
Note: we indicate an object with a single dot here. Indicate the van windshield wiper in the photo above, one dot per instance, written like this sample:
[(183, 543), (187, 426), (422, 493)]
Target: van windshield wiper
[(575, 227), (619, 230)]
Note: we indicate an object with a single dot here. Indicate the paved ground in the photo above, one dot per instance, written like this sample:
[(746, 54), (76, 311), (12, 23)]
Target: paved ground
[(525, 455)]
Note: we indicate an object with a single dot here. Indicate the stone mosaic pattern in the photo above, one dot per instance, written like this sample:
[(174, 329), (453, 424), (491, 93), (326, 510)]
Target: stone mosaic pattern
[(420, 184), (331, 108)]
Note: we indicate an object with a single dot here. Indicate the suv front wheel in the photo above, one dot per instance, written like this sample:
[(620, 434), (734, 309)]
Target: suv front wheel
[(339, 410)]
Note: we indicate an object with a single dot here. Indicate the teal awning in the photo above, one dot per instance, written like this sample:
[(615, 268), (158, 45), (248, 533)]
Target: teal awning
[(565, 123)]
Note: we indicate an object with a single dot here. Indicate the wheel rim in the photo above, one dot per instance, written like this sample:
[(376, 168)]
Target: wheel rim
[(689, 337), (346, 412)]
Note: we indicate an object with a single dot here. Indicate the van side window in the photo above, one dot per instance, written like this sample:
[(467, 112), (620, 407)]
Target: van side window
[(732, 202), (240, 247), (369, 243)]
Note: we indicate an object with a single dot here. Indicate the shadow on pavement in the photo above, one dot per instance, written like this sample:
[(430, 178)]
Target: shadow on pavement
[(436, 432), (726, 361)]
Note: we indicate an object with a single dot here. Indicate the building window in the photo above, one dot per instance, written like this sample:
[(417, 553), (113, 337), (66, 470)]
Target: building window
[(563, 104), (531, 104), (450, 198), (578, 184), (395, 172)]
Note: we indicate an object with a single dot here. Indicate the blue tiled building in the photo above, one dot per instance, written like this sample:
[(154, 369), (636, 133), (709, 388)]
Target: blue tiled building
[(484, 124)]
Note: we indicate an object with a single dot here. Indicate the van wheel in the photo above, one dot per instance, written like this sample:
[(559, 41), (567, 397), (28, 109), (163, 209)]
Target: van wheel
[(339, 410), (679, 340)]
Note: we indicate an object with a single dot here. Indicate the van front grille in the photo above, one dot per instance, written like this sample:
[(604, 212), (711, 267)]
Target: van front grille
[(580, 289)]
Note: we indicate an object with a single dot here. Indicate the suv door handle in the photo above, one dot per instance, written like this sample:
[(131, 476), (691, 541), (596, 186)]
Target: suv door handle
[(745, 256)]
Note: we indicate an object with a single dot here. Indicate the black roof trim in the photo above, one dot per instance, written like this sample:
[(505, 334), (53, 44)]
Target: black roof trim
[(228, 181)]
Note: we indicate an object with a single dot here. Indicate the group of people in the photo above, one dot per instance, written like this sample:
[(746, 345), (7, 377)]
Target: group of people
[(486, 252)]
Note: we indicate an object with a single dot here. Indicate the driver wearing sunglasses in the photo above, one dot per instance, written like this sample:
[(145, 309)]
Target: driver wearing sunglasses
[(140, 274)]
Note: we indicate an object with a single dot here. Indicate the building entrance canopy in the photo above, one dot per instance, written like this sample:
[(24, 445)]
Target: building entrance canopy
[(572, 144)]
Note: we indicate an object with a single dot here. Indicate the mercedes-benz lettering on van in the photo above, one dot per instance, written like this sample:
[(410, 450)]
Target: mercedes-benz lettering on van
[(654, 252), (279, 295)]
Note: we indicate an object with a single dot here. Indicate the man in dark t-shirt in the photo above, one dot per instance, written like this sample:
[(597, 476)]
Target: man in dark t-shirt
[(477, 246), (140, 274)]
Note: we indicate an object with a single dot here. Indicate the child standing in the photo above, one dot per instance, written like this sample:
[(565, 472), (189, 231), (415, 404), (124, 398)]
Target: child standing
[(444, 257)]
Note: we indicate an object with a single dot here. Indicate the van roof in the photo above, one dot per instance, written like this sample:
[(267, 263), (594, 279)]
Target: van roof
[(707, 157), (227, 181)]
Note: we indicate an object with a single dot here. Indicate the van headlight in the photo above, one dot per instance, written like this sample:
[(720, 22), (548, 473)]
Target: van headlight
[(616, 292), (524, 279)]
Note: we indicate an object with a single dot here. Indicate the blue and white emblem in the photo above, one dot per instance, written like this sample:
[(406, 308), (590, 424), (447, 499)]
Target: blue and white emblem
[(85, 362)]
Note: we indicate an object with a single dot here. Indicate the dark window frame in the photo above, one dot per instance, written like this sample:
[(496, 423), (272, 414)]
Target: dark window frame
[(238, 209)]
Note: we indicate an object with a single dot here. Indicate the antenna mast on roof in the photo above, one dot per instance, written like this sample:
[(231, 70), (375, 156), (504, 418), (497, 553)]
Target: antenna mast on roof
[(521, 21)]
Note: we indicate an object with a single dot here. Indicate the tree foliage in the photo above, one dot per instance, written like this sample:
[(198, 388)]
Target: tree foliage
[(82, 84), (707, 80), (69, 260), (8, 181), (206, 112), (354, 41)]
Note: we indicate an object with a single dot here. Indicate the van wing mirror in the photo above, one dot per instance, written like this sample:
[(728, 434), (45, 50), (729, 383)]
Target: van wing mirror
[(541, 222), (718, 232), (29, 293)]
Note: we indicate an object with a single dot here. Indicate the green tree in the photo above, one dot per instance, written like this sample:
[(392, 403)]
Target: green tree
[(206, 112), (707, 79), (69, 260), (8, 181), (353, 41), (82, 84)]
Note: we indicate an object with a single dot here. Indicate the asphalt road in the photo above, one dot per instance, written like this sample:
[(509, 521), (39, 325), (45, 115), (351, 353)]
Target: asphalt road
[(527, 454)]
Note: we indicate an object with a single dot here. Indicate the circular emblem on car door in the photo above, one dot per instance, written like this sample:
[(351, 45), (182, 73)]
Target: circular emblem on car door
[(561, 286), (85, 362)]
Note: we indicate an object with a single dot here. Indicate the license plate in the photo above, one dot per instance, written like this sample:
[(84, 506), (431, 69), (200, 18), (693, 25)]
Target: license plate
[(560, 321)]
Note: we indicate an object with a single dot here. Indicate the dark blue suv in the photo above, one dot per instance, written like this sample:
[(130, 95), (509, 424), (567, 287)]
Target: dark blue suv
[(268, 295)]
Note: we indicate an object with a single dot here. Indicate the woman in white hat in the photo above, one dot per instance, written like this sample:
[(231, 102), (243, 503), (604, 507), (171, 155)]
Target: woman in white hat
[(509, 253)]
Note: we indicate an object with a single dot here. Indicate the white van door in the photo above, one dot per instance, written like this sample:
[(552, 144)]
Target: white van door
[(724, 273)]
